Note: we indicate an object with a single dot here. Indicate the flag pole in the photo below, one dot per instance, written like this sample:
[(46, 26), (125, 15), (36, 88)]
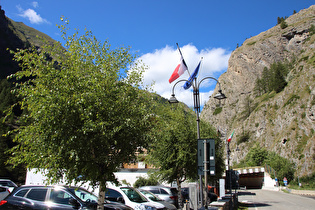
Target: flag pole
[(180, 52), (200, 64)]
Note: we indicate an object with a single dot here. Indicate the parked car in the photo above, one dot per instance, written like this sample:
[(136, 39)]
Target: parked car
[(8, 183), (154, 198), (53, 198), (185, 194), (168, 194), (130, 197), (4, 191)]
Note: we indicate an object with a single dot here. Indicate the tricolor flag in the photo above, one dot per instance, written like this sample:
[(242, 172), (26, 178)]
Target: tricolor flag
[(180, 69), (187, 85), (230, 138)]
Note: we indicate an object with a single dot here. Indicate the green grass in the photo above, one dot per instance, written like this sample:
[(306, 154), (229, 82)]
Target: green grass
[(303, 187)]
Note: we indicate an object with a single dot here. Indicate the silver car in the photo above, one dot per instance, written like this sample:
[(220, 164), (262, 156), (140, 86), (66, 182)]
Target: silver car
[(8, 183), (155, 198), (4, 191), (168, 194)]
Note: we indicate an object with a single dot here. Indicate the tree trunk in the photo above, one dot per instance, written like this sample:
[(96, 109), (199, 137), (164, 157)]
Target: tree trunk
[(101, 198), (179, 194)]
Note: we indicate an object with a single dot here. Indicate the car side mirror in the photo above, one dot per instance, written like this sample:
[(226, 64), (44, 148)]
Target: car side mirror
[(121, 200), (73, 202)]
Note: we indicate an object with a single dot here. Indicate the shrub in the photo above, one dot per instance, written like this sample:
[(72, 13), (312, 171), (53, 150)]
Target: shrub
[(243, 138), (141, 181), (283, 25), (291, 99), (217, 110)]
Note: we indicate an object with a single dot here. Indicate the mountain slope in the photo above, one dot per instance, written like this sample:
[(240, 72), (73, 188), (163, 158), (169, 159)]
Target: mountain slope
[(15, 35), (283, 122)]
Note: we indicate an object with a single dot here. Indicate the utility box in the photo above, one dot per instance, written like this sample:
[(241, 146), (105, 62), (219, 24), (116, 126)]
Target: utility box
[(210, 145), (234, 179), (193, 196)]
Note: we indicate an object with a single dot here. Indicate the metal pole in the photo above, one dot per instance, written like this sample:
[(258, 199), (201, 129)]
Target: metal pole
[(204, 191), (197, 110), (230, 175), (219, 96)]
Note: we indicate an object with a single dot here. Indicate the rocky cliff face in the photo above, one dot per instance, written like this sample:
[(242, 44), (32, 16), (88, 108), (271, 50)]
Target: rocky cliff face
[(282, 122)]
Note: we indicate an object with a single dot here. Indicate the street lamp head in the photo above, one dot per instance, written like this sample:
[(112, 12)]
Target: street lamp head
[(220, 95), (172, 100)]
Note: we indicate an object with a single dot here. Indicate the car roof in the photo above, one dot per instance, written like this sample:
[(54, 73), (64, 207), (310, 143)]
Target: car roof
[(157, 186), (49, 186), (8, 180)]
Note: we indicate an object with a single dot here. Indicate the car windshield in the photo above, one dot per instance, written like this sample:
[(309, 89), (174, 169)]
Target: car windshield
[(7, 184), (150, 195), (133, 195), (84, 195)]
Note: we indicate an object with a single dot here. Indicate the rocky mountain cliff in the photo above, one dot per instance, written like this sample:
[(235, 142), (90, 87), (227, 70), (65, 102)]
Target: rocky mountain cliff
[(282, 122)]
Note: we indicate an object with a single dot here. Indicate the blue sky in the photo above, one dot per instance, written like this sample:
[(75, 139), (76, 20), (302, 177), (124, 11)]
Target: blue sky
[(203, 28)]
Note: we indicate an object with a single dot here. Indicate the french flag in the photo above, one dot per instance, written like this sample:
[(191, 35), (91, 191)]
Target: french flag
[(179, 70)]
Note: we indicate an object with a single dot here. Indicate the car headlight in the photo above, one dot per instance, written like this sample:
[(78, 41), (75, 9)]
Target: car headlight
[(144, 207)]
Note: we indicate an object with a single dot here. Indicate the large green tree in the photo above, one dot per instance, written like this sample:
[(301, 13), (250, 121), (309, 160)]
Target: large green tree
[(85, 109), (173, 147)]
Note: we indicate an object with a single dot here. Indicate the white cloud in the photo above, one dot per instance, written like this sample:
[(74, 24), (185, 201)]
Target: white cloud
[(31, 15), (35, 4), (162, 63)]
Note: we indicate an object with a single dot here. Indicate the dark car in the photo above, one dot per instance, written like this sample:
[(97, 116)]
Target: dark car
[(53, 198), (185, 194)]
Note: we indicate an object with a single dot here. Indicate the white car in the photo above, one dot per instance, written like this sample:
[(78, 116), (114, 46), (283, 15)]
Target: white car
[(8, 183), (154, 198), (130, 197), (4, 191)]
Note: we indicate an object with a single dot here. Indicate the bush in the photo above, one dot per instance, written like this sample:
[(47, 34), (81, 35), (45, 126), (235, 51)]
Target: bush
[(312, 30), (283, 25), (282, 22), (141, 181), (243, 138), (217, 110), (258, 156)]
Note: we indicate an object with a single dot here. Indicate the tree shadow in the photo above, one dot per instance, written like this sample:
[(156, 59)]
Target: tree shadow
[(245, 193), (256, 205)]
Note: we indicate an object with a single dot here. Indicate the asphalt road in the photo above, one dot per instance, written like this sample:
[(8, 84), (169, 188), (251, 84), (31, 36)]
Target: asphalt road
[(265, 199)]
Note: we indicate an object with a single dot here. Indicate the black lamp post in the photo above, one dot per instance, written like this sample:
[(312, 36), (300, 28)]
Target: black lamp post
[(218, 96)]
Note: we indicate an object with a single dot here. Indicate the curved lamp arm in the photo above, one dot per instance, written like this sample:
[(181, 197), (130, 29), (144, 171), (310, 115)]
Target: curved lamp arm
[(218, 96)]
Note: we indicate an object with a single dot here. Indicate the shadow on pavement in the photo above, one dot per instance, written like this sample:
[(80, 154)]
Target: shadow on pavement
[(255, 204), (240, 193)]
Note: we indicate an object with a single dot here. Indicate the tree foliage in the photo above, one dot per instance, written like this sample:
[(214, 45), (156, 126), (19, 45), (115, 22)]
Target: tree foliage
[(173, 147), (142, 181), (273, 79), (84, 114), (281, 21), (259, 156)]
